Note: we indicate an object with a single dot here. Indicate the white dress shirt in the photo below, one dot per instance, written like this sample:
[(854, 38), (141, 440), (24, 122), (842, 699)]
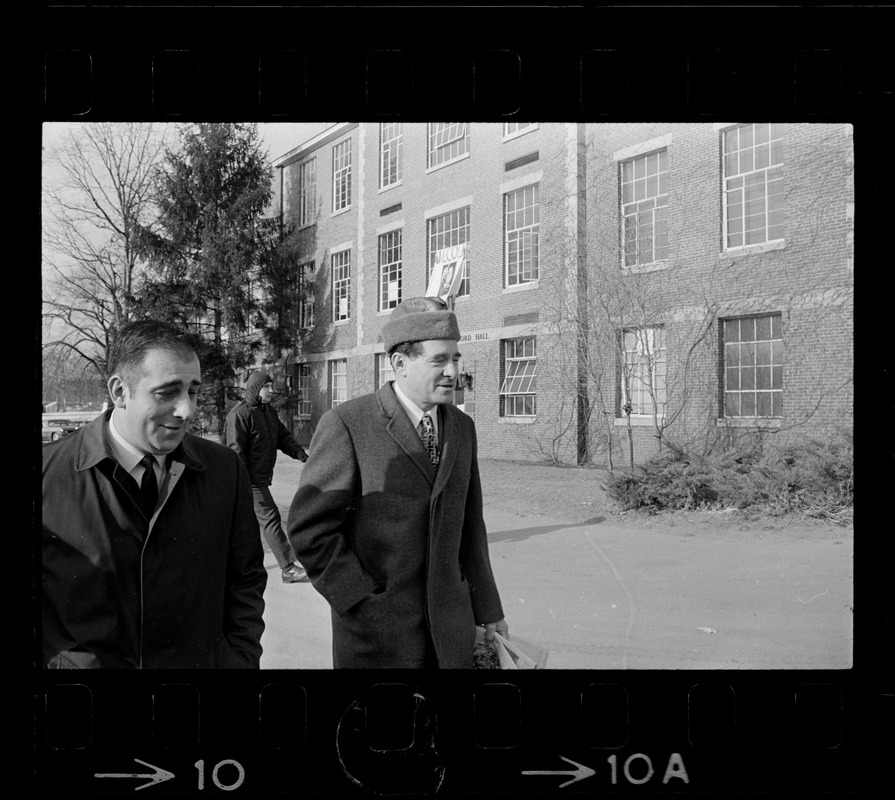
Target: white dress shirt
[(415, 412)]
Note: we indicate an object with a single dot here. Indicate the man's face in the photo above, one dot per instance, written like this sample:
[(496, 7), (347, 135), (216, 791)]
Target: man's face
[(429, 378), (154, 408), (266, 392)]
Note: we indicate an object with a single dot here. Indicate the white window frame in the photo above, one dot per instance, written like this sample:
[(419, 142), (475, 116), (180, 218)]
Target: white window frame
[(447, 142), (519, 273), (391, 145), (307, 192), (513, 130), (646, 370), (303, 373), (391, 268), (340, 280), (453, 231), (383, 369), (749, 362), (338, 381), (739, 169), (643, 184), (518, 387), (342, 176)]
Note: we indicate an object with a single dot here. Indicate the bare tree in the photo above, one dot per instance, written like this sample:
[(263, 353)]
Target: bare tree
[(97, 185)]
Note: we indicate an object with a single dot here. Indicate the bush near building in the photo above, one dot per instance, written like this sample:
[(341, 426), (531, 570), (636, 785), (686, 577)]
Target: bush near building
[(814, 478)]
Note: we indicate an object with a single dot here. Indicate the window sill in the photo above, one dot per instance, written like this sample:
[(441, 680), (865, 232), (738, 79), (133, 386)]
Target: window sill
[(340, 323), (395, 185), (748, 249), (750, 422), (516, 420), (341, 211), (653, 266), (307, 225), (520, 287), (447, 163), (637, 421)]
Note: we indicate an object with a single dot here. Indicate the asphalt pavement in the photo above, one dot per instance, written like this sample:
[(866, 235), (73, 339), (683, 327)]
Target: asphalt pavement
[(613, 596)]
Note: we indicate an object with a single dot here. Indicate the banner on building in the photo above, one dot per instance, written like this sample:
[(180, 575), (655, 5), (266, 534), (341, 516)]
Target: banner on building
[(447, 273)]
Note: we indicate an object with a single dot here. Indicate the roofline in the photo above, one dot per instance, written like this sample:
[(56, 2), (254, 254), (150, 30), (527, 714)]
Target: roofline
[(313, 143)]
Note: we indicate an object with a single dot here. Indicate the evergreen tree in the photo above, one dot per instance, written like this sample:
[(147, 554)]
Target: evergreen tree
[(206, 250)]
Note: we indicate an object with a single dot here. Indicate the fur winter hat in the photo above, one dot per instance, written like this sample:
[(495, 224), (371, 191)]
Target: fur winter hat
[(419, 319), (254, 383)]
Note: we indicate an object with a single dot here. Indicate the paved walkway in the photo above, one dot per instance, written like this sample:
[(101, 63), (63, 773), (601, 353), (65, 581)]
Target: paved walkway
[(607, 596)]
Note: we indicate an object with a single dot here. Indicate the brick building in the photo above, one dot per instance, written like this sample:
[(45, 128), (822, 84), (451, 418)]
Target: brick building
[(625, 284)]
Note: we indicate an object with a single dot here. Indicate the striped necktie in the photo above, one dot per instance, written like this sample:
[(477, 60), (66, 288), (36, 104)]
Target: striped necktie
[(149, 486), (427, 434)]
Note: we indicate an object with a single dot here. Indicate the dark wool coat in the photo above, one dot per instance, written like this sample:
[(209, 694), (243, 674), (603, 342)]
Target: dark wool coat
[(186, 594), (400, 554), (255, 431)]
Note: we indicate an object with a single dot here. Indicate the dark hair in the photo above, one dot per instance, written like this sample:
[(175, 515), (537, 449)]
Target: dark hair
[(408, 349), (135, 339)]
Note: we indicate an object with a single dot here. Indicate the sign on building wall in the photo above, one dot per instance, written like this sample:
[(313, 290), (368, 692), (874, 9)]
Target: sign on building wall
[(447, 274)]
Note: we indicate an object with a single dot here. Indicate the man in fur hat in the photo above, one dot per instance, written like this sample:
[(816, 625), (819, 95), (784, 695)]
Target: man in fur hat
[(387, 519), (256, 432)]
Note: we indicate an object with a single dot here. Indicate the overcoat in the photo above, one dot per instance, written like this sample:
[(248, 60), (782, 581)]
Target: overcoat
[(183, 592), (399, 550)]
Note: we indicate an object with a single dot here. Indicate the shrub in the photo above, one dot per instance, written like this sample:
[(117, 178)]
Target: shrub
[(812, 477)]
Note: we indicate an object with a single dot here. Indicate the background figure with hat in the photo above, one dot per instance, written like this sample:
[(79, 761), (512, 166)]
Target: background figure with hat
[(387, 519), (255, 431)]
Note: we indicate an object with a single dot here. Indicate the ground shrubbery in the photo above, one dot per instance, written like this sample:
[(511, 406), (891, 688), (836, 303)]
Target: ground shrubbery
[(814, 478)]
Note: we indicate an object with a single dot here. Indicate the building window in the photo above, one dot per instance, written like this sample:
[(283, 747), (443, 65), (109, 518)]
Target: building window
[(384, 371), (447, 141), (306, 296), (753, 366), (512, 128), (391, 140), (338, 381), (446, 231), (342, 176), (753, 184), (645, 209), (341, 283), (518, 391), (390, 272), (307, 191), (522, 225), (643, 381), (304, 390)]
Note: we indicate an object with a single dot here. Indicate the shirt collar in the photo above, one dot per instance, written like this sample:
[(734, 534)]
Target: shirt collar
[(413, 410), (125, 453)]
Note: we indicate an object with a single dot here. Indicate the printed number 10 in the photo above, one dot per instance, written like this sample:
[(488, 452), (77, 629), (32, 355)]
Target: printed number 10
[(227, 787)]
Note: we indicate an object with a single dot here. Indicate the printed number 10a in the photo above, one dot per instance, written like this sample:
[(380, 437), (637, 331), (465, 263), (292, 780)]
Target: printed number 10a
[(215, 774)]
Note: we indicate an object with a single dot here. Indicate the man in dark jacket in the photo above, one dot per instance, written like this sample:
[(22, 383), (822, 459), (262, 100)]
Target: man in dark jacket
[(151, 553), (255, 432), (387, 518)]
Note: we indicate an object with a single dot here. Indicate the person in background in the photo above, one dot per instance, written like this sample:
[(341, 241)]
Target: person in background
[(387, 518), (255, 431), (151, 556)]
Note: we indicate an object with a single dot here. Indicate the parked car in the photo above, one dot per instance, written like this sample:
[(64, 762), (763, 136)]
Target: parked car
[(54, 429)]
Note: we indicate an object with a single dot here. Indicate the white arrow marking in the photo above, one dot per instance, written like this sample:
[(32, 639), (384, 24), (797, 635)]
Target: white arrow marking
[(580, 774), (159, 776)]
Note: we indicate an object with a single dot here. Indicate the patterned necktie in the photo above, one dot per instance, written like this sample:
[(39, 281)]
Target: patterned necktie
[(427, 434), (149, 485)]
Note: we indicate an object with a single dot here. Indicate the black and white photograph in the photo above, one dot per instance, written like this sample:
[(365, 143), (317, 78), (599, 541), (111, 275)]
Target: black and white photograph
[(640, 451)]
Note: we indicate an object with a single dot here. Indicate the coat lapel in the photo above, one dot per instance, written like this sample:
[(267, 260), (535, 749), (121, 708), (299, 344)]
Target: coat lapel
[(448, 441), (401, 429)]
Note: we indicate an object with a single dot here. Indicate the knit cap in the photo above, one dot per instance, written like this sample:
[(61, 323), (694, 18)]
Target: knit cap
[(419, 319)]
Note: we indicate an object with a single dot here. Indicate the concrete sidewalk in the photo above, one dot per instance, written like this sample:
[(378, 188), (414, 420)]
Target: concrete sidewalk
[(607, 596)]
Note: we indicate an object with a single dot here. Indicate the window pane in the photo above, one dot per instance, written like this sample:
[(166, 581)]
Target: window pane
[(777, 404), (747, 404), (763, 378), (747, 378), (731, 405), (764, 404), (733, 379), (747, 354)]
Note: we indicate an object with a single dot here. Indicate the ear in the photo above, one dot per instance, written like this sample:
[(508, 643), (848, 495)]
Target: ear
[(398, 360), (118, 391)]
